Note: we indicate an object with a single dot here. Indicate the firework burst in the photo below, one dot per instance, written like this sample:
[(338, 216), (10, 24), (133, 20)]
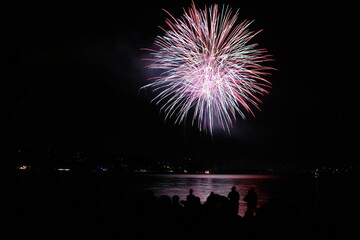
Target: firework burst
[(208, 68)]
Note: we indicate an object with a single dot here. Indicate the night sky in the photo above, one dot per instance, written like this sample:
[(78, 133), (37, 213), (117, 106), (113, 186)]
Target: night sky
[(74, 71)]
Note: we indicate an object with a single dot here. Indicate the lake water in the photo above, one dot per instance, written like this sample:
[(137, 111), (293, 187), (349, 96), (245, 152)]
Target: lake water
[(87, 204), (203, 184)]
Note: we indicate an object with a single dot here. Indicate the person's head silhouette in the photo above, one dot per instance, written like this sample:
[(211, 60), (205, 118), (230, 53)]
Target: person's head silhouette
[(175, 199)]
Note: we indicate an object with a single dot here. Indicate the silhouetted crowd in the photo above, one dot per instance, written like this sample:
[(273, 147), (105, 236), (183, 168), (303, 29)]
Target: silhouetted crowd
[(218, 216), (103, 207)]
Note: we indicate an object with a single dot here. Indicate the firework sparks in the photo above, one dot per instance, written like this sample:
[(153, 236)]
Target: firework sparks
[(209, 68)]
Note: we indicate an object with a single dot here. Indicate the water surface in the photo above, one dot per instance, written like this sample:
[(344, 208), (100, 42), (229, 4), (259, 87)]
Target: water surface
[(204, 184)]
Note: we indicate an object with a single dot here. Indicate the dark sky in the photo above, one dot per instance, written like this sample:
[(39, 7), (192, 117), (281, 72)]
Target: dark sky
[(74, 72)]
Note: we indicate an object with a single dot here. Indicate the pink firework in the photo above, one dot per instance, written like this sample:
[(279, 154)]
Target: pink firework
[(209, 69)]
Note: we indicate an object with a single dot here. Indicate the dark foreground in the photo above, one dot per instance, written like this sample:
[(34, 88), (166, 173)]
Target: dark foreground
[(103, 206)]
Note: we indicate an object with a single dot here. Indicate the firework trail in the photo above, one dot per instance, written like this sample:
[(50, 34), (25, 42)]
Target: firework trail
[(209, 69)]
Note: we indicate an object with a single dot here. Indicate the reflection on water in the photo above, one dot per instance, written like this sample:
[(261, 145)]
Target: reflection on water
[(204, 184)]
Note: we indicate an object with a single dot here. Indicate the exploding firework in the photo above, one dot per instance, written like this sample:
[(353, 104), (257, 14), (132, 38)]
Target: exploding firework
[(208, 68)]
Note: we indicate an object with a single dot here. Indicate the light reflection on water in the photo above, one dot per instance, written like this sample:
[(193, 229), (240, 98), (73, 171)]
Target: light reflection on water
[(204, 184)]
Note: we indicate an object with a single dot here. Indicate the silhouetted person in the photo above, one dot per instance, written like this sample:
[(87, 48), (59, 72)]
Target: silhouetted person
[(176, 202), (165, 202), (191, 198), (177, 215), (165, 205), (234, 198), (210, 198), (251, 201)]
